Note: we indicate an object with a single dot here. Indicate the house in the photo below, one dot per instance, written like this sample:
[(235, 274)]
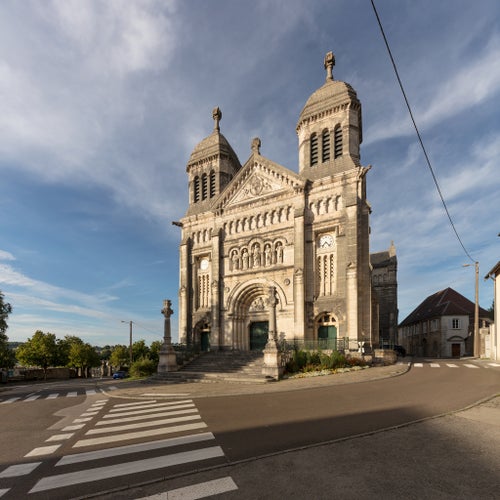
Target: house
[(494, 343), (269, 252), (441, 326)]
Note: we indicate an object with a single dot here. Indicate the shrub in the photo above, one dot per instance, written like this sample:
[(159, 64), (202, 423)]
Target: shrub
[(143, 367)]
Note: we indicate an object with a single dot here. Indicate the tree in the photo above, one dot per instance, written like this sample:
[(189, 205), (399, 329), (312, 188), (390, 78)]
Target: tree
[(40, 350), (5, 310), (7, 357), (120, 356), (154, 350), (139, 350), (83, 356)]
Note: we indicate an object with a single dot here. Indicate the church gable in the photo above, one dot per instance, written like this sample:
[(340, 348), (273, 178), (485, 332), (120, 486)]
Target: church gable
[(259, 178)]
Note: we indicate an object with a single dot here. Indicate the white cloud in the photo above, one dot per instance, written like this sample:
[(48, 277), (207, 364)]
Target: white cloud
[(4, 255)]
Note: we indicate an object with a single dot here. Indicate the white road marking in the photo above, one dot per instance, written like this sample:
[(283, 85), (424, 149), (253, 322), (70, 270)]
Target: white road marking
[(470, 366), (42, 450), (135, 403), (195, 491), (135, 448), (168, 395), (7, 401), (149, 410), (60, 437), (451, 365), (143, 417), (139, 435), (138, 409), (71, 394), (141, 425), (418, 365), (20, 470), (496, 365), (435, 365), (125, 469), (90, 392), (52, 396), (3, 491), (90, 413), (72, 427), (32, 398), (79, 420)]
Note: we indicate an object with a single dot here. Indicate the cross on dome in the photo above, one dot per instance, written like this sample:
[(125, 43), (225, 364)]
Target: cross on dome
[(217, 116)]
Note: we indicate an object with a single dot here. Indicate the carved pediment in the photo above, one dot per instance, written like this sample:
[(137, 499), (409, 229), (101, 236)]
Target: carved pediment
[(257, 180)]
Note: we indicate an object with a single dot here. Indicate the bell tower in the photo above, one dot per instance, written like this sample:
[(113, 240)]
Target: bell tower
[(329, 128), (211, 166)]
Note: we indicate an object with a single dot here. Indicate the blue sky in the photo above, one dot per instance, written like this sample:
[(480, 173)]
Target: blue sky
[(103, 101)]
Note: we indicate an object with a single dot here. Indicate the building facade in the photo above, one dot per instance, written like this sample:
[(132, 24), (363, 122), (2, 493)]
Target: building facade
[(441, 326), (259, 226), (492, 347), (385, 289)]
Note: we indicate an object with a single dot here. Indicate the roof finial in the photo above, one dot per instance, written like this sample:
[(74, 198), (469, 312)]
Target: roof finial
[(256, 145), (217, 116), (329, 64)]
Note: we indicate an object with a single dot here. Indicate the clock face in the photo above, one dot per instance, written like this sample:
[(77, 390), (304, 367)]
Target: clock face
[(204, 264), (326, 241)]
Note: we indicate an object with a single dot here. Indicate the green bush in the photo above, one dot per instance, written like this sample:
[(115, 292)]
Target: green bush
[(143, 367)]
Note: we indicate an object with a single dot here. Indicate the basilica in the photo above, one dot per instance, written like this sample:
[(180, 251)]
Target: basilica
[(302, 234)]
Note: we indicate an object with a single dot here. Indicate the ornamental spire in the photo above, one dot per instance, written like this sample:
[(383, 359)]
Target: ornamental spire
[(217, 116), (329, 64)]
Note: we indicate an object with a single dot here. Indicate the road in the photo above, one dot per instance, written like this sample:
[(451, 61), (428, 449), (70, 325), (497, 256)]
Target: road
[(55, 444)]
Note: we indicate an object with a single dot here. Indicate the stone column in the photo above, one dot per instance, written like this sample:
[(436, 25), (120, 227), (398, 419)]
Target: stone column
[(167, 361), (272, 357), (298, 276)]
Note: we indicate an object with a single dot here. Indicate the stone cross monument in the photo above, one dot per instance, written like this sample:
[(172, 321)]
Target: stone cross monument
[(167, 361)]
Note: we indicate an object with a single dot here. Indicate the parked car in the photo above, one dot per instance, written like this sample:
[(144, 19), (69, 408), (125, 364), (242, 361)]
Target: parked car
[(120, 374)]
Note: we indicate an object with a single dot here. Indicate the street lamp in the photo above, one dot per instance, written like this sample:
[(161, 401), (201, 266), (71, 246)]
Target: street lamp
[(477, 352), (130, 346)]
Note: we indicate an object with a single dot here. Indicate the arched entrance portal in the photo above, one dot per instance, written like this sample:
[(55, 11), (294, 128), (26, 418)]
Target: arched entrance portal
[(327, 331), (258, 335)]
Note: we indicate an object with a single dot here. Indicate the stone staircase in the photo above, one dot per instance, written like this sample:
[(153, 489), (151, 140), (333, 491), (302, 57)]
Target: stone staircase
[(217, 366)]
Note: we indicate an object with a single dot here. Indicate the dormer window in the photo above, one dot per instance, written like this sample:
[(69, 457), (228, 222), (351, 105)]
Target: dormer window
[(325, 145), (337, 134), (314, 149)]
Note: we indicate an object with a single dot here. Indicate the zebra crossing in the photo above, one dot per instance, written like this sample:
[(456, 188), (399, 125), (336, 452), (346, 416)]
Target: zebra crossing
[(107, 443), (55, 395), (446, 364)]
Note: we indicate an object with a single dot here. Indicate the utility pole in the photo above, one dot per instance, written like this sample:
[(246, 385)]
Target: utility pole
[(477, 342)]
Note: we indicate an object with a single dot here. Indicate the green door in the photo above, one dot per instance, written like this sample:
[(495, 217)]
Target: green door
[(327, 337), (258, 335), (205, 340)]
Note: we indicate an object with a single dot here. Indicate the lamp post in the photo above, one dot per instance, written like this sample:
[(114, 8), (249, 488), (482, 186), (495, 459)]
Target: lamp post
[(477, 351), (130, 342)]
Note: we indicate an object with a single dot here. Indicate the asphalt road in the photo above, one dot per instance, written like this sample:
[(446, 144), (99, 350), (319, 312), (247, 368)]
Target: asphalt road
[(300, 439)]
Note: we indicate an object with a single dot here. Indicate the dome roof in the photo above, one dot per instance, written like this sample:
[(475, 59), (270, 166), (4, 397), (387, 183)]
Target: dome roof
[(329, 96), (213, 145), (333, 93)]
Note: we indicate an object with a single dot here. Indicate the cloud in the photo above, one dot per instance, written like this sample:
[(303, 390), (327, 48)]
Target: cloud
[(6, 255)]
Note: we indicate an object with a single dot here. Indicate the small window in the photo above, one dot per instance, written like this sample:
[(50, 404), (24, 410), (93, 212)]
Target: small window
[(455, 323), (196, 189), (204, 187), (314, 149), (338, 141), (325, 146), (212, 184)]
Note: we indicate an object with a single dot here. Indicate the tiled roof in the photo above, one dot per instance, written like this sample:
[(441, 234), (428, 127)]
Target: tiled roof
[(447, 302)]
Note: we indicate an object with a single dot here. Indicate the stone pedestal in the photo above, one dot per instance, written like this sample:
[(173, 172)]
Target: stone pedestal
[(272, 356), (167, 358)]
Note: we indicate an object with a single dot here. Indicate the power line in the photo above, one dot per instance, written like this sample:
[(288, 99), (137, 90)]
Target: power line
[(418, 133)]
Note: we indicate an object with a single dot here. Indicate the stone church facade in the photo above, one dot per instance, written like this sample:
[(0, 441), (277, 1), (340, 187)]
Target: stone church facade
[(261, 228)]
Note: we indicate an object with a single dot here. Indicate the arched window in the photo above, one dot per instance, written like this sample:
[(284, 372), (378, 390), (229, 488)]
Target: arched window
[(325, 145), (314, 149), (338, 141), (212, 184), (204, 187), (196, 189)]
